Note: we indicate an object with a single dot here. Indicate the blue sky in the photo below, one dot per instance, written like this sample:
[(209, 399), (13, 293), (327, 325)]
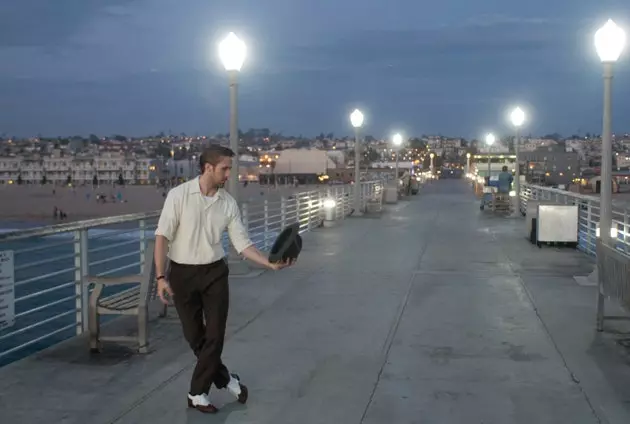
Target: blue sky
[(138, 67)]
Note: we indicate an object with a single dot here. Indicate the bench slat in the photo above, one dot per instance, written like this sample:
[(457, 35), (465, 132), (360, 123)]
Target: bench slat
[(121, 296), (129, 302)]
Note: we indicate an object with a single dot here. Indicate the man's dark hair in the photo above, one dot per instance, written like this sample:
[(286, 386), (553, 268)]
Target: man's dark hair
[(504, 169), (213, 154)]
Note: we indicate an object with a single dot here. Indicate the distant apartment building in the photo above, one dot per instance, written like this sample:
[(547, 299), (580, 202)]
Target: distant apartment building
[(59, 169), (622, 161), (496, 148), (531, 144), (433, 141), (553, 164)]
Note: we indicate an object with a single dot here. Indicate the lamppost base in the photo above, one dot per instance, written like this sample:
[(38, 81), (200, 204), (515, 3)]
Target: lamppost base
[(516, 208), (329, 223), (587, 280), (391, 195)]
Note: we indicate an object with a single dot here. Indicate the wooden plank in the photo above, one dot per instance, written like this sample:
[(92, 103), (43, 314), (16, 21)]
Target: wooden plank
[(119, 297)]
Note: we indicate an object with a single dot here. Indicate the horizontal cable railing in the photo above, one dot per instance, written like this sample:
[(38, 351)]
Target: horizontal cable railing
[(51, 263)]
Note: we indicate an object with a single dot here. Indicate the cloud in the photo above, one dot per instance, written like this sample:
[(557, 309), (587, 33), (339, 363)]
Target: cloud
[(137, 66), (37, 23), (499, 19)]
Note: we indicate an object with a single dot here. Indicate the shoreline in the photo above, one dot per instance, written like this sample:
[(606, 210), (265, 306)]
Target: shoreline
[(33, 206)]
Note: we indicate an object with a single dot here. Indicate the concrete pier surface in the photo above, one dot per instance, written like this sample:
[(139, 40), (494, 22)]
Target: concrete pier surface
[(435, 312)]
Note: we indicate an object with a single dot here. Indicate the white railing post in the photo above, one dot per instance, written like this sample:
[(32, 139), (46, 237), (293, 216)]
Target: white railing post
[(320, 207), (81, 265), (625, 231), (342, 200), (245, 215), (310, 210), (589, 230), (266, 231), (338, 205), (142, 225), (298, 218), (283, 212)]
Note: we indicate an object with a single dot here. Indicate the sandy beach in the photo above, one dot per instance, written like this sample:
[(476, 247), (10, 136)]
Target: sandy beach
[(22, 203)]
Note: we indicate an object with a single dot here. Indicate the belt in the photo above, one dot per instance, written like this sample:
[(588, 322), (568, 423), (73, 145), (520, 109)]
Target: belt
[(209, 265)]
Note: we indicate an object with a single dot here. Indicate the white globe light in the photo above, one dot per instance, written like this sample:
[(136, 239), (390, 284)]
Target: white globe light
[(356, 118), (232, 52), (610, 41), (490, 139), (397, 140), (517, 117), (330, 203)]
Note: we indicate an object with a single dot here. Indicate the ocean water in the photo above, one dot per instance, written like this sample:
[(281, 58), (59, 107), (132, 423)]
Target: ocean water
[(47, 305)]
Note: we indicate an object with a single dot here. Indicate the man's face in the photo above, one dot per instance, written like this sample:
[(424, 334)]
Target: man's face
[(221, 172)]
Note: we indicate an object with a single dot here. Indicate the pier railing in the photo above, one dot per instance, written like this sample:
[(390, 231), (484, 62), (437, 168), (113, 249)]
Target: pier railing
[(588, 216), (51, 263)]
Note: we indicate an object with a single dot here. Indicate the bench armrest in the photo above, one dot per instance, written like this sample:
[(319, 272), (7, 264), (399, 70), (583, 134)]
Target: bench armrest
[(112, 281)]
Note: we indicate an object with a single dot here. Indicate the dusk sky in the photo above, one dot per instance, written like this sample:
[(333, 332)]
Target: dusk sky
[(138, 67)]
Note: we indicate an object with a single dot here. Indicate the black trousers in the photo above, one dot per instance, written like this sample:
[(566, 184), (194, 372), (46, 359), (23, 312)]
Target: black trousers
[(202, 291)]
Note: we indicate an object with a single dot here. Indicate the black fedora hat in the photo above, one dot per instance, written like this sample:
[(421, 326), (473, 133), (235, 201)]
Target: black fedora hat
[(288, 245)]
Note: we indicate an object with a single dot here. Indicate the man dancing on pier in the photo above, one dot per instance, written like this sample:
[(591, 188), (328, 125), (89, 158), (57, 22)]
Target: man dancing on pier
[(190, 230)]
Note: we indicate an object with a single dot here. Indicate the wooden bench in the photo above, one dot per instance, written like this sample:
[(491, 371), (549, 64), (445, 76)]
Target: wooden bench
[(133, 301), (613, 273)]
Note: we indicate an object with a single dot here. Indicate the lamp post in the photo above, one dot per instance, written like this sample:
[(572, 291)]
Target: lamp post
[(269, 162), (232, 52), (356, 119), (490, 139), (174, 165), (467, 164), (609, 42), (518, 118), (397, 142), (431, 156)]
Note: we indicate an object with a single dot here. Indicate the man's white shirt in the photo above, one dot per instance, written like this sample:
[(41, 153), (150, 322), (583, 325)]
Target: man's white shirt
[(194, 224)]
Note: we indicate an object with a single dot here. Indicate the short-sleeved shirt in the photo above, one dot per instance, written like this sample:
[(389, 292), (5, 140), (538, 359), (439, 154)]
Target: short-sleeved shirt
[(505, 182), (194, 224)]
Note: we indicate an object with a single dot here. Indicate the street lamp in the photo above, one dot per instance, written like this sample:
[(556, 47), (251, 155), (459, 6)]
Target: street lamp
[(431, 156), (174, 164), (490, 139), (356, 119), (518, 118), (232, 52), (270, 163), (467, 164), (609, 42), (397, 142)]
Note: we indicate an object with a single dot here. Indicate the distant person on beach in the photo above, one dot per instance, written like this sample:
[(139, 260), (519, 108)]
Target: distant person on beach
[(193, 220)]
